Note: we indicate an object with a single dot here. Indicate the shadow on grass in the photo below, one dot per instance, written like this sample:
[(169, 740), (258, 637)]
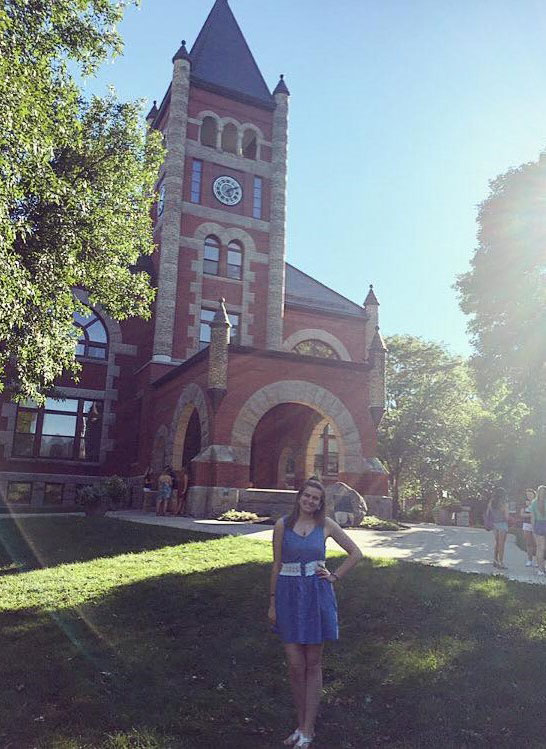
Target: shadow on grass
[(427, 658), (32, 543)]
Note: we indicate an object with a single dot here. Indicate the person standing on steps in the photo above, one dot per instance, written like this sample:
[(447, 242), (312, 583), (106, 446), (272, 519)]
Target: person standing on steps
[(303, 608)]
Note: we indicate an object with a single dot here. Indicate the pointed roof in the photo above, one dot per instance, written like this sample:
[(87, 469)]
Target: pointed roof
[(378, 344), (222, 61), (303, 291), (182, 53), (371, 298), (221, 315), (281, 87)]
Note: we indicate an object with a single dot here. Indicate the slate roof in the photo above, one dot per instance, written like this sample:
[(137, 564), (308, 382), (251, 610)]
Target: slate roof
[(303, 291), (221, 59)]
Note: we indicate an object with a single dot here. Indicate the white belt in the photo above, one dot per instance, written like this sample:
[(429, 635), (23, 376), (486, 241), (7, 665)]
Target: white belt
[(301, 569)]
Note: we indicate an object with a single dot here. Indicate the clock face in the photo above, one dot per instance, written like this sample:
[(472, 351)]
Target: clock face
[(227, 190)]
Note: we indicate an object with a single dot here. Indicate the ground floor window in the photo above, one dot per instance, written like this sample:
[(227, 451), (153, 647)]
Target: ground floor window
[(19, 492), (68, 429), (53, 494)]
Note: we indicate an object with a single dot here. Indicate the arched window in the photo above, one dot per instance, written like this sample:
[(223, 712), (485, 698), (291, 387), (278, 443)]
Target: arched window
[(250, 144), (234, 261), (326, 456), (93, 338), (209, 130), (229, 138), (315, 348), (211, 261)]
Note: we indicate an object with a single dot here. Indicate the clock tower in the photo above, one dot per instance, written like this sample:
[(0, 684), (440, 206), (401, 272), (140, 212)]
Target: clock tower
[(220, 223)]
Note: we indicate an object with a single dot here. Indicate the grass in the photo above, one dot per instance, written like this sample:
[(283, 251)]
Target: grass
[(123, 636)]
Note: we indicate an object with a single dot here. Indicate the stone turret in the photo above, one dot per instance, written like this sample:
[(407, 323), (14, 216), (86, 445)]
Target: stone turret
[(371, 305), (377, 359), (170, 221), (275, 298), (218, 354)]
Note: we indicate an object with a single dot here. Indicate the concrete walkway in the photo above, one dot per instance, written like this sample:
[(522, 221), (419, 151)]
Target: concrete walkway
[(460, 549)]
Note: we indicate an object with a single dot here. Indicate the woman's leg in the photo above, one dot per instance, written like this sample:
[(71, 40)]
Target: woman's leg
[(496, 547), (313, 692), (530, 545), (502, 542), (295, 655), (540, 540)]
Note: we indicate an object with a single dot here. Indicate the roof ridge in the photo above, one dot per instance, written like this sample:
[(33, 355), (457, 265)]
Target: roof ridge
[(333, 291)]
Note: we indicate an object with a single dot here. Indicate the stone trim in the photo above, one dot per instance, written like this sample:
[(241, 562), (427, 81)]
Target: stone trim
[(351, 459), (317, 335), (216, 214), (192, 397)]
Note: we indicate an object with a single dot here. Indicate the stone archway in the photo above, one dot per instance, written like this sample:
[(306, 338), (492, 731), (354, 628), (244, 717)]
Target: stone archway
[(192, 399), (351, 459), (159, 450)]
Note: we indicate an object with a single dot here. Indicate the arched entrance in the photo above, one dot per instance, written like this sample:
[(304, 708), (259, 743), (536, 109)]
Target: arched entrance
[(279, 445), (189, 428)]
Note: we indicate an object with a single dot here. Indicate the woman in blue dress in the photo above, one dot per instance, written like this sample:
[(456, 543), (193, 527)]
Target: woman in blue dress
[(303, 608)]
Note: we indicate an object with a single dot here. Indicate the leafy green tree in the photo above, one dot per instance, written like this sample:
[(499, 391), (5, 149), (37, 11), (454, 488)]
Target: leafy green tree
[(426, 433), (76, 187), (504, 292)]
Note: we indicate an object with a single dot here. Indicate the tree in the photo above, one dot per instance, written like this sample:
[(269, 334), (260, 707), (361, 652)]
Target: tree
[(76, 187), (425, 435), (505, 290)]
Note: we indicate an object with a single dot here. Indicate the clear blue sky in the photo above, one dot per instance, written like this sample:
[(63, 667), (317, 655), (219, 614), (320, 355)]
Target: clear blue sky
[(401, 113)]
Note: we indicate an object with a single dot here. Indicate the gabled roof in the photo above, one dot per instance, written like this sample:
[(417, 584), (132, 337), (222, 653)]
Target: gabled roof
[(303, 291), (221, 59)]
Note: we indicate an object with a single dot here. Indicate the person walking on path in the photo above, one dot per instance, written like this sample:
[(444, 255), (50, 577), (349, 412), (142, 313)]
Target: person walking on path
[(537, 509), (497, 511), (527, 525), (164, 489), (303, 607)]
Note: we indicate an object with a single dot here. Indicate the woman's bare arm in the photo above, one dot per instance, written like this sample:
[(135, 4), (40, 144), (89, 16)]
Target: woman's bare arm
[(278, 533), (331, 528)]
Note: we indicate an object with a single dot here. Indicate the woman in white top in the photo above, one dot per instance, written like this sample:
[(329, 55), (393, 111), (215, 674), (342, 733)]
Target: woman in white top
[(527, 524)]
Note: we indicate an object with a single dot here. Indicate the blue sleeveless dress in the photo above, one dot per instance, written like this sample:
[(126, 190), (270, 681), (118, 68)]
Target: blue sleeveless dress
[(306, 607)]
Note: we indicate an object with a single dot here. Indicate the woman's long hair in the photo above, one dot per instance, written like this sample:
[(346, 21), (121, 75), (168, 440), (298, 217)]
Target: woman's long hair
[(319, 514), (541, 500), (498, 498)]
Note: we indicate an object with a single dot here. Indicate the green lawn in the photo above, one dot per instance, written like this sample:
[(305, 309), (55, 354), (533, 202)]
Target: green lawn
[(122, 635)]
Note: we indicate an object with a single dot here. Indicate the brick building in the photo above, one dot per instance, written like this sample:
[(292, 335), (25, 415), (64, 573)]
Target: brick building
[(283, 379)]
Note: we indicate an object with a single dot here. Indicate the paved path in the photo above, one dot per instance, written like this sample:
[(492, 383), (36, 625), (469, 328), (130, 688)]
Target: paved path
[(461, 549)]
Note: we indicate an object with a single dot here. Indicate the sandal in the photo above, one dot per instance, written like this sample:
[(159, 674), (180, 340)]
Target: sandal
[(293, 738), (303, 742)]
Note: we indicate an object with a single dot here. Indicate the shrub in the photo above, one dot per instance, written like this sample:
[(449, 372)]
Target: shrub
[(239, 516), (415, 513), (108, 492), (371, 522)]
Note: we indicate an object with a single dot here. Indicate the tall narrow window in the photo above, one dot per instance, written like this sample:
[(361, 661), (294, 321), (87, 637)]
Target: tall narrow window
[(196, 177), (207, 316), (209, 129), (212, 256), (257, 204), (229, 138), (234, 331), (326, 457), (234, 261), (250, 144)]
